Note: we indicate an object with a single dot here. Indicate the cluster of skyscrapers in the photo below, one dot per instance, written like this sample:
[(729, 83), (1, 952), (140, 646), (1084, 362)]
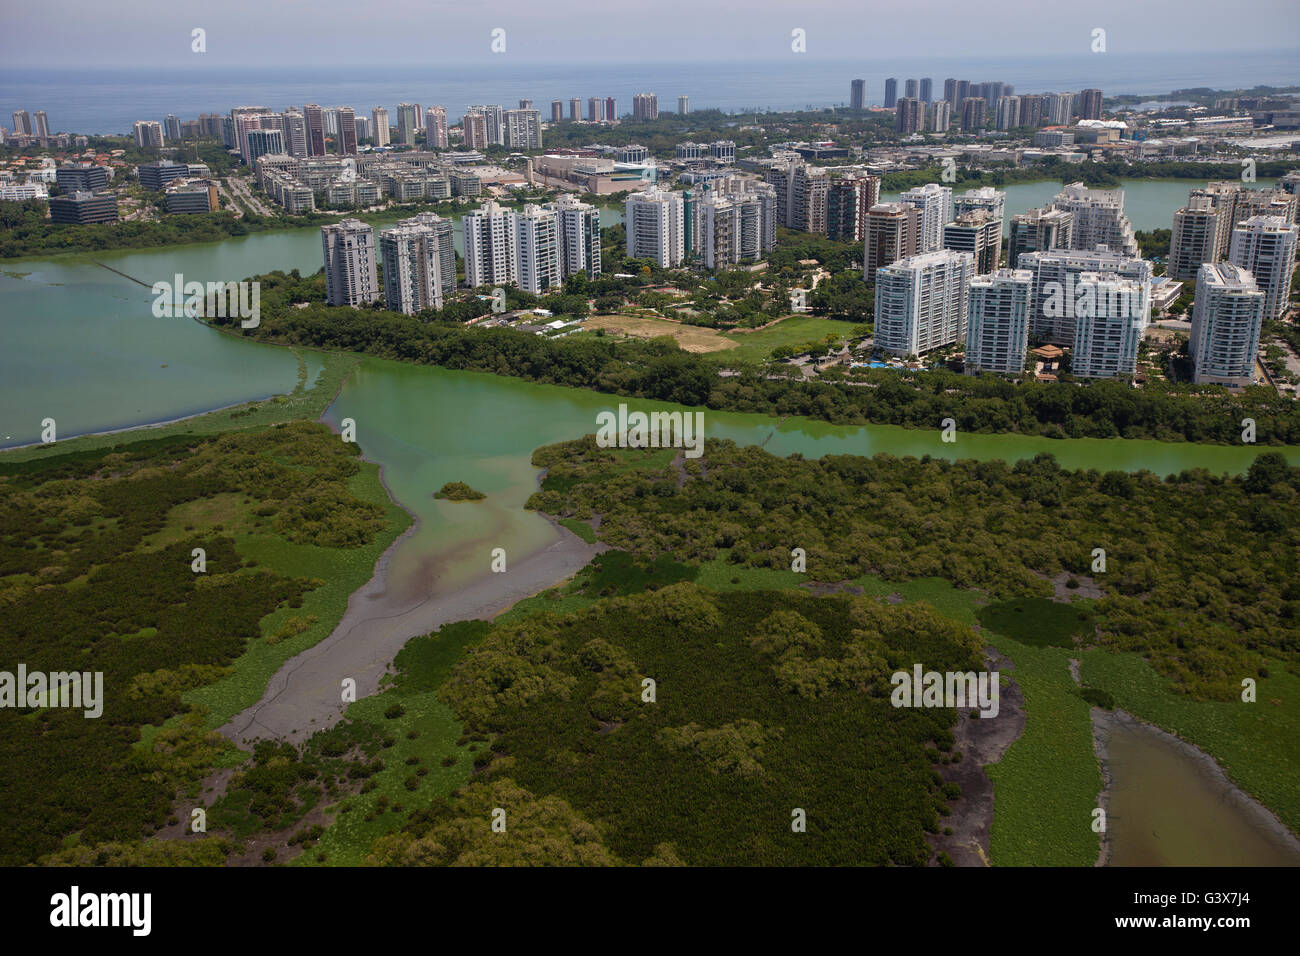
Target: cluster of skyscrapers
[(935, 259), (971, 106), (720, 224), (1239, 244), (536, 248)]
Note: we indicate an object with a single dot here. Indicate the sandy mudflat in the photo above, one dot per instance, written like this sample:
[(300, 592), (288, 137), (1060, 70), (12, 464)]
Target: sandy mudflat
[(305, 694)]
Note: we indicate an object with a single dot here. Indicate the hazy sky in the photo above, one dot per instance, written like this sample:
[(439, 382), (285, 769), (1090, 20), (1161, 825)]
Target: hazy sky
[(58, 33)]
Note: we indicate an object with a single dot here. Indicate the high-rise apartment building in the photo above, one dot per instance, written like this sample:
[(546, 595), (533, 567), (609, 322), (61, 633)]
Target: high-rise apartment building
[(379, 119), (578, 227), (1226, 321), (847, 202), (921, 302), (413, 272), (1265, 246), (935, 203), (491, 258), (1059, 108), (1111, 315), (1039, 230), (350, 274), (1099, 218), (347, 138), (910, 115), (978, 233), (893, 232), (891, 93), (656, 227), (939, 116), (801, 192), (493, 123), (474, 127), (910, 89), (575, 109), (557, 111), (1196, 238), (537, 245), (22, 123), (1089, 102), (315, 119), (982, 198), (1056, 296), (1008, 115), (172, 128), (445, 241), (926, 91), (997, 322), (645, 106), (595, 109), (611, 109), (148, 134), (294, 125), (858, 94), (264, 142), (1031, 111), (523, 129), (973, 114), (435, 127), (683, 105), (406, 123)]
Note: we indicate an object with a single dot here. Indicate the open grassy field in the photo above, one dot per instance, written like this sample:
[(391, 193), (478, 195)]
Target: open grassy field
[(748, 346), (795, 331), (692, 338)]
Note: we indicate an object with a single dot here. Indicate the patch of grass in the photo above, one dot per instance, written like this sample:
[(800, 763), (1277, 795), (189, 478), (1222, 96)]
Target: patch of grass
[(1039, 622), (581, 528), (795, 331)]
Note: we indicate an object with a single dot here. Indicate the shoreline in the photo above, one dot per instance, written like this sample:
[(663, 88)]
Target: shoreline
[(1257, 814), (304, 696)]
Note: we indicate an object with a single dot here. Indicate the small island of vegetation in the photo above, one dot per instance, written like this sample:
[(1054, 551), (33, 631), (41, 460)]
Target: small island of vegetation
[(459, 491)]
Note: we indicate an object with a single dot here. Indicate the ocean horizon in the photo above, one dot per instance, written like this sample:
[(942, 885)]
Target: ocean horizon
[(100, 100)]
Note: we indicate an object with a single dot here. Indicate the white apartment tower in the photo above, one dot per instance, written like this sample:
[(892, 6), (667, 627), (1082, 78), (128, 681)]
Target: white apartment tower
[(1196, 237), (578, 225), (1098, 218), (442, 229), (490, 250), (936, 205), (412, 268), (921, 302), (656, 229), (435, 127), (1056, 291), (985, 198), (1111, 317), (379, 118), (522, 129), (1226, 320), (1265, 246), (997, 322), (537, 245), (350, 275)]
